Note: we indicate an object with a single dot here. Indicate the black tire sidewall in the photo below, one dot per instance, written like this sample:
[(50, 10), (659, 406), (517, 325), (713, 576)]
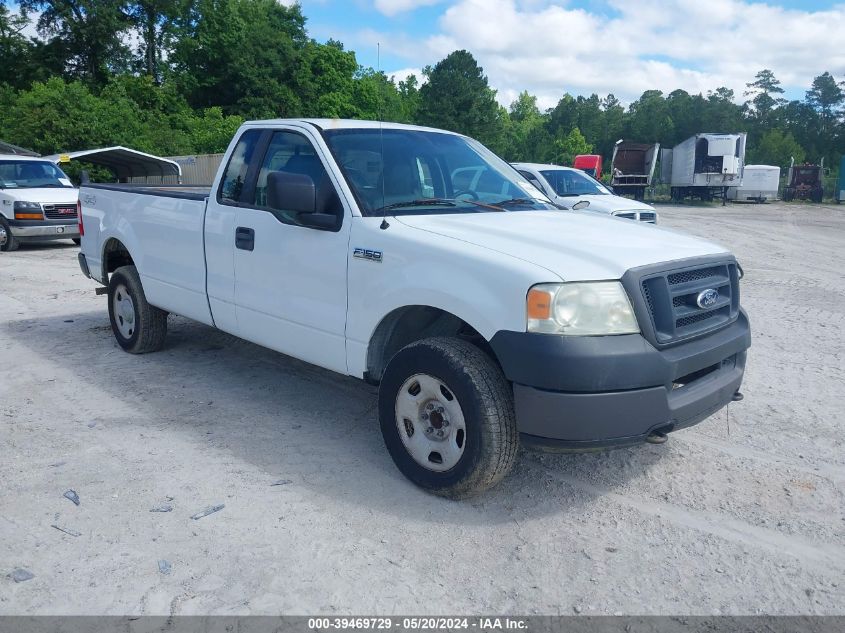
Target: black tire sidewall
[(421, 359), (12, 242), (118, 278)]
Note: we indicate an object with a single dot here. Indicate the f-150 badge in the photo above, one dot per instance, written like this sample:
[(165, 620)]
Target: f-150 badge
[(365, 253)]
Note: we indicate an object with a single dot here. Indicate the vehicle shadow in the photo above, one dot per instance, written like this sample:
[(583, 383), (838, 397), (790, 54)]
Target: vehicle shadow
[(53, 245), (290, 419)]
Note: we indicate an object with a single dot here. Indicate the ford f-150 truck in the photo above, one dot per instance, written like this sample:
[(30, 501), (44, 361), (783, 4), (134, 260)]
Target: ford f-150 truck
[(484, 313), (37, 202)]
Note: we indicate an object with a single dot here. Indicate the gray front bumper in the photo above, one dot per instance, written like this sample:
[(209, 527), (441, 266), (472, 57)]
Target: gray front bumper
[(40, 230), (591, 392)]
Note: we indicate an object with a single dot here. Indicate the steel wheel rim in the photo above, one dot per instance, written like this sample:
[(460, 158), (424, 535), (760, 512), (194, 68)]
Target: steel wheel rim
[(430, 422), (124, 311)]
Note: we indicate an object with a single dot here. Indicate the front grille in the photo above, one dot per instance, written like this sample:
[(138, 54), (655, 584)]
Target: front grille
[(642, 216), (60, 211), (672, 300)]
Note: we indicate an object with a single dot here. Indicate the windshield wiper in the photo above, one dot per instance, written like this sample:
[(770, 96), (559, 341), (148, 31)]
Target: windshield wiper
[(505, 203), (422, 202)]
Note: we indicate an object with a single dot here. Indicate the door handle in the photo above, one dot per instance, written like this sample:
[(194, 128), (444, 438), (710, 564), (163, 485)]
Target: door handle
[(244, 238)]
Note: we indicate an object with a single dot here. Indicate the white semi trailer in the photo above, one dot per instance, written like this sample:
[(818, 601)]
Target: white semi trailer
[(704, 165)]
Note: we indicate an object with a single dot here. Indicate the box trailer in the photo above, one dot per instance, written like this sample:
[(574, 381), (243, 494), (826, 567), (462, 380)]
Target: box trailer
[(759, 184), (704, 165), (632, 167)]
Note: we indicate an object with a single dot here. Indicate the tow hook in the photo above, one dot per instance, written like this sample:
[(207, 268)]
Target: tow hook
[(656, 437), (737, 397)]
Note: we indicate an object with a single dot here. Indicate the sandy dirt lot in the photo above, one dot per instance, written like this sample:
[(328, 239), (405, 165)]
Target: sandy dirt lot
[(738, 516)]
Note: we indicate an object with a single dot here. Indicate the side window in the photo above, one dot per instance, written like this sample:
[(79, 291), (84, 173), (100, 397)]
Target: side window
[(235, 176), (293, 153), (532, 179)]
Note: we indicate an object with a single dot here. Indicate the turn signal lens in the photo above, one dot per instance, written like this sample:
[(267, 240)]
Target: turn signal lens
[(28, 216), (539, 304)]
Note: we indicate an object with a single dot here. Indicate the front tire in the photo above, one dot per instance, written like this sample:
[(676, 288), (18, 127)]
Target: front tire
[(447, 417), (11, 243), (138, 327)]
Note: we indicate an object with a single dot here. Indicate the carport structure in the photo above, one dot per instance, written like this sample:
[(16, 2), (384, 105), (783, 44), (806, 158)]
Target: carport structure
[(124, 162)]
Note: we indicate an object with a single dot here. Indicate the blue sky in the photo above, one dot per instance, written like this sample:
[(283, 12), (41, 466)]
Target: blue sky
[(582, 46)]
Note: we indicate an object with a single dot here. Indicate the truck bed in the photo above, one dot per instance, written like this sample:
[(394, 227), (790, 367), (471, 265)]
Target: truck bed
[(189, 192), (163, 227)]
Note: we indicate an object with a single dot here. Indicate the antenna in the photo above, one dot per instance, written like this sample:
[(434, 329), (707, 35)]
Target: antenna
[(384, 223)]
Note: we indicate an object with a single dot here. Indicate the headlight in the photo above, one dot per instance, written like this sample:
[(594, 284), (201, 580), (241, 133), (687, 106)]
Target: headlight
[(581, 309), (27, 206), (28, 210)]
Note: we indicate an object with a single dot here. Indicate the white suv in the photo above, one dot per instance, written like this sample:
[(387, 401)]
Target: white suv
[(567, 186)]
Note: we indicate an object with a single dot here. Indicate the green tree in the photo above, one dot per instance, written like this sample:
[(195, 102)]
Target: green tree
[(241, 56), (776, 147), (570, 146), (409, 96), (156, 22), (15, 50), (761, 90), (457, 97), (89, 33)]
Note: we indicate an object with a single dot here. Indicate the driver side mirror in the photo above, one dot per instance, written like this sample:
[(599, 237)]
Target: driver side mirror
[(297, 194)]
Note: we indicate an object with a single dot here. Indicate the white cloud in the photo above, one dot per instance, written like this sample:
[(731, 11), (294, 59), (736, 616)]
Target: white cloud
[(394, 7), (549, 48), (403, 73)]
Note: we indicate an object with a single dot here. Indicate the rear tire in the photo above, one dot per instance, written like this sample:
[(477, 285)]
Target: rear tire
[(138, 327), (447, 417), (11, 243)]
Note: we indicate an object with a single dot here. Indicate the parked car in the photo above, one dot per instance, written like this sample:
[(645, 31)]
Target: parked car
[(360, 247), (37, 202), (567, 186)]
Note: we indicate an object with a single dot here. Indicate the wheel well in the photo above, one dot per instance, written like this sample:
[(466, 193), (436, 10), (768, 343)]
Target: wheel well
[(115, 255), (405, 325)]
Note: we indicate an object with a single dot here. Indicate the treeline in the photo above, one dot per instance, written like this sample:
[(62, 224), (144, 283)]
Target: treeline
[(178, 76)]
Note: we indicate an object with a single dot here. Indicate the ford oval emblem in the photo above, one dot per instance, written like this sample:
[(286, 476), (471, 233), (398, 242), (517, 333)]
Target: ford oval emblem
[(706, 299)]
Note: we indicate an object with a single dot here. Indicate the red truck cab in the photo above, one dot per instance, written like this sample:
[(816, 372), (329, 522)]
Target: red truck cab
[(589, 163)]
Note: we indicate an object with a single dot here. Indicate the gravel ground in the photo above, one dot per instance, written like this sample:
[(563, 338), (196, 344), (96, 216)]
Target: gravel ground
[(735, 516)]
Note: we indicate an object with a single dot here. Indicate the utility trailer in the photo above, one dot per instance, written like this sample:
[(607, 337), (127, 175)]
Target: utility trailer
[(632, 167), (759, 184), (704, 166), (804, 182)]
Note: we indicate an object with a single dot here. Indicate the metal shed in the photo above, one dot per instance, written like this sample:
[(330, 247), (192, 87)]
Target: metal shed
[(9, 148), (124, 162)]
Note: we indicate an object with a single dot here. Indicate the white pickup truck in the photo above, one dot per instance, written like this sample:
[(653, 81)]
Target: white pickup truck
[(485, 314)]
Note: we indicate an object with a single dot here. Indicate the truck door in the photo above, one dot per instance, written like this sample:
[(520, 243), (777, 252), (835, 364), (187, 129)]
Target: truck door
[(290, 278)]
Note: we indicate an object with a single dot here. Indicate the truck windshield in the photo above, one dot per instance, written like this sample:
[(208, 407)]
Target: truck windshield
[(417, 172), (31, 174), (571, 182)]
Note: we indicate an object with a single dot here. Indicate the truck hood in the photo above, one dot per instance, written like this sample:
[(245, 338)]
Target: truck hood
[(605, 203), (45, 195), (575, 245)]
